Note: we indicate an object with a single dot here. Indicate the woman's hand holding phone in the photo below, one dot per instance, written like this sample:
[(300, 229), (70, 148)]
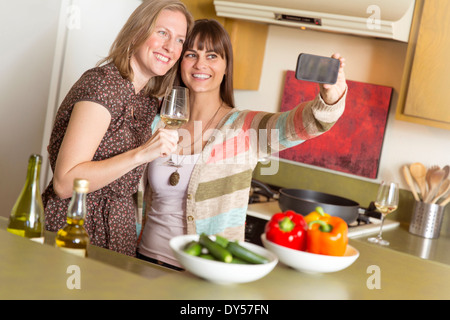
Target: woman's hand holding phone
[(331, 93)]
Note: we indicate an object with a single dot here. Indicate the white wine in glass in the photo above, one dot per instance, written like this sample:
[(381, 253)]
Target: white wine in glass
[(175, 107), (175, 112), (386, 202), (173, 123)]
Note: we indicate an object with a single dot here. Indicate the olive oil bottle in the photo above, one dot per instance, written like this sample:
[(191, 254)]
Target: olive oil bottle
[(73, 237), (27, 214)]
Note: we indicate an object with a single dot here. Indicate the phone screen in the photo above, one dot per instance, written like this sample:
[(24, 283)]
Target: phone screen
[(317, 68)]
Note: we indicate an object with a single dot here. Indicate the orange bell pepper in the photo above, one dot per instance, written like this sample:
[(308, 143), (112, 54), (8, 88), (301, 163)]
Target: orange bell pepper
[(327, 236), (316, 215)]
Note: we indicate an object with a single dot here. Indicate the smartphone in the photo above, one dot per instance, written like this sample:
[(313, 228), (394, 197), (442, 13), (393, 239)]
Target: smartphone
[(317, 68)]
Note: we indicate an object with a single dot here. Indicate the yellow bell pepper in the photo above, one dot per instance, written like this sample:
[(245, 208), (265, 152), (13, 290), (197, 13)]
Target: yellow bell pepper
[(316, 215)]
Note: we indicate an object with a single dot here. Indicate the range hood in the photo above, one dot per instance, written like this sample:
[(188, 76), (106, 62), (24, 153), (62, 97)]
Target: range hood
[(389, 19)]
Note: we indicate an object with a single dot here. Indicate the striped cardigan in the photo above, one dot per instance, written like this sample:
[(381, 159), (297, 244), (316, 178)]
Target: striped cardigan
[(219, 186)]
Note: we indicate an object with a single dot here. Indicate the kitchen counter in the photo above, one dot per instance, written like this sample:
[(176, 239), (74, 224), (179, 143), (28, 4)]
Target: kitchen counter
[(30, 270), (393, 231), (403, 241)]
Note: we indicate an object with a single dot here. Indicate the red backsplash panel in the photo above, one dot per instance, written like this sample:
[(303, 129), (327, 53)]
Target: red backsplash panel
[(354, 143)]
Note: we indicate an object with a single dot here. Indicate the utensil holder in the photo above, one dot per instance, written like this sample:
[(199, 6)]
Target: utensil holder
[(426, 220)]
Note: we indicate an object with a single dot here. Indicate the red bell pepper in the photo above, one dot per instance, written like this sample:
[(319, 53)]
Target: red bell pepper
[(327, 236), (287, 229)]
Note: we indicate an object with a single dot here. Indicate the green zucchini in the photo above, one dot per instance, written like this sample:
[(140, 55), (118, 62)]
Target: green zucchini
[(207, 256), (249, 256), (215, 249), (193, 248), (238, 261), (222, 241)]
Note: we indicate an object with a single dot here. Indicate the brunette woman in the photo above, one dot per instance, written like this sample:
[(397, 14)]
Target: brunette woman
[(220, 147)]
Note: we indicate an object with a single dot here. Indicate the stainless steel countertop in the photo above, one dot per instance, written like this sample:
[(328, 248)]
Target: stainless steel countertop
[(403, 241)]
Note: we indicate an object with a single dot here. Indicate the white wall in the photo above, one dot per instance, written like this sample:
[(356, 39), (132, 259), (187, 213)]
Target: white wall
[(367, 60), (27, 40), (87, 30), (42, 57)]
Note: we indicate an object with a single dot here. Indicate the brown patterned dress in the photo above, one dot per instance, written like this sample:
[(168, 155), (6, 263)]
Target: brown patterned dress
[(111, 219)]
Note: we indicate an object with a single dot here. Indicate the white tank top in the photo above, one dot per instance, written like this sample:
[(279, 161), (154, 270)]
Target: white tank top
[(166, 217)]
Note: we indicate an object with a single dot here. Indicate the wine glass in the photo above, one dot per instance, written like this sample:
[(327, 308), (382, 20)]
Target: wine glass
[(386, 202), (175, 111), (175, 107)]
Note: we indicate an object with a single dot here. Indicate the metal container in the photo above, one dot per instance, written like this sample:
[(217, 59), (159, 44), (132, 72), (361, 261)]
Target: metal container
[(426, 220)]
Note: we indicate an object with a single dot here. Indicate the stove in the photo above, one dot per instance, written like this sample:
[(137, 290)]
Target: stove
[(262, 206)]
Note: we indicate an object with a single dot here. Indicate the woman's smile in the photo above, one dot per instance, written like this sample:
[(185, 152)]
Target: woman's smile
[(202, 70)]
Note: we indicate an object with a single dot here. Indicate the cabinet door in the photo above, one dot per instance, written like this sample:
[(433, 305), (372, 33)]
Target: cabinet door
[(427, 98)]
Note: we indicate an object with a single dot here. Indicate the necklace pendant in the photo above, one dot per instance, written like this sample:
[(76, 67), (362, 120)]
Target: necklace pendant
[(174, 178)]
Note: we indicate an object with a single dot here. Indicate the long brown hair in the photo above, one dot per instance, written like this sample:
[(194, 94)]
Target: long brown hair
[(210, 34), (135, 32)]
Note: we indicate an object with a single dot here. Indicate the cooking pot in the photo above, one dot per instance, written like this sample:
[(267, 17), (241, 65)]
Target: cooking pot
[(305, 201)]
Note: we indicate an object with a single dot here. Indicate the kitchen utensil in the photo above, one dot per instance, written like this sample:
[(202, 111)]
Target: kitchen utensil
[(311, 262), (446, 172), (430, 172), (443, 203), (445, 186), (435, 182), (426, 220), (306, 201), (221, 272), (419, 172), (409, 181)]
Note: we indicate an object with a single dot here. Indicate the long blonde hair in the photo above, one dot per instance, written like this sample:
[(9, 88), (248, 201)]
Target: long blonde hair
[(135, 32)]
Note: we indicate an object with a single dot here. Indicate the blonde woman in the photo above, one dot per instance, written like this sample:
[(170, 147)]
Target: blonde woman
[(102, 128)]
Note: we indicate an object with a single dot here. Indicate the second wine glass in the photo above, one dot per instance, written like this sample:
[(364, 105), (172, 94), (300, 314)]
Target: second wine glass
[(175, 107), (175, 112), (386, 202)]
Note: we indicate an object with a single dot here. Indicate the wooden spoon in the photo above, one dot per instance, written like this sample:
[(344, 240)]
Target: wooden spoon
[(419, 172), (447, 171), (429, 172), (409, 181), (443, 203), (445, 186), (435, 181), (428, 177)]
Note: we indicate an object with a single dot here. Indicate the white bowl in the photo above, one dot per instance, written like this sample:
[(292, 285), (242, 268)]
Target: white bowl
[(311, 262), (221, 272)]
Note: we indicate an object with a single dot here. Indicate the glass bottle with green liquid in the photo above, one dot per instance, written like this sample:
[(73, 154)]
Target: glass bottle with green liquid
[(27, 214)]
